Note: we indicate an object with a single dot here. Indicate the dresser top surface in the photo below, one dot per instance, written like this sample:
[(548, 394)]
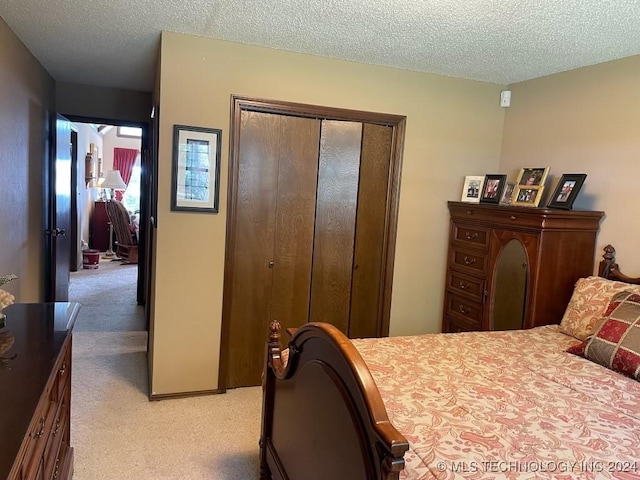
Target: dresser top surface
[(527, 210)]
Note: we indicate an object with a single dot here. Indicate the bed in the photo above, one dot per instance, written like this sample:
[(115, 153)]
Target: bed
[(502, 404)]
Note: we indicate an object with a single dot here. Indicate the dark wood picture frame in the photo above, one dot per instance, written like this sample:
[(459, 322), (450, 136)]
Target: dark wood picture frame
[(195, 182), (492, 188), (567, 190)]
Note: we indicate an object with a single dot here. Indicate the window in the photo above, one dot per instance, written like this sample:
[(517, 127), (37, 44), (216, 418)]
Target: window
[(131, 198), (135, 132)]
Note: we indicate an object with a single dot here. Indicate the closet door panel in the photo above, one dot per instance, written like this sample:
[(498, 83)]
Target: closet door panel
[(366, 293), (296, 204), (336, 205), (260, 136)]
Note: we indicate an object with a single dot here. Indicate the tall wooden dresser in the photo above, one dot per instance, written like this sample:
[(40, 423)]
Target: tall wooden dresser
[(99, 228), (35, 391), (514, 267)]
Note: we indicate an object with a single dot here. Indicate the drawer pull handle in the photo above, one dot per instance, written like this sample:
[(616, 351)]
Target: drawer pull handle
[(469, 260), (469, 212), (513, 217), (57, 427), (463, 285), (62, 369), (57, 468), (41, 429), (463, 309), (471, 236)]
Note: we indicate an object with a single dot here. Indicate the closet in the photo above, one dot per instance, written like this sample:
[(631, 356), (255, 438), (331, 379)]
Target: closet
[(310, 228)]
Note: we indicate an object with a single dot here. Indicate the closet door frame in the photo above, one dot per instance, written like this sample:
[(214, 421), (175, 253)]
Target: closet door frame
[(396, 122)]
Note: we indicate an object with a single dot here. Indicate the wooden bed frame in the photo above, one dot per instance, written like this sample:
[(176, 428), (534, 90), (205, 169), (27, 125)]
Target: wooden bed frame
[(322, 415)]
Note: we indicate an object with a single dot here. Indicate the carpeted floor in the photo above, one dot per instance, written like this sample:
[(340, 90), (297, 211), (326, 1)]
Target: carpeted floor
[(116, 432)]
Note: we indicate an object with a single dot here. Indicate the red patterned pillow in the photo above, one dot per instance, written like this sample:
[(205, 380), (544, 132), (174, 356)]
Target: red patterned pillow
[(588, 305), (616, 342)]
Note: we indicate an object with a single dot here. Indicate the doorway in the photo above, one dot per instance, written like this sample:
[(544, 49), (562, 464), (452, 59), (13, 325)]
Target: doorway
[(101, 279), (90, 164)]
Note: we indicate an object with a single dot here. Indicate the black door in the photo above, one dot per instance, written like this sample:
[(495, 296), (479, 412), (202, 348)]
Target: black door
[(58, 212)]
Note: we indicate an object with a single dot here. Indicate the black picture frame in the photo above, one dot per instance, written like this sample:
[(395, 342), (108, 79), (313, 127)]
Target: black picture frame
[(492, 188), (566, 191), (195, 183)]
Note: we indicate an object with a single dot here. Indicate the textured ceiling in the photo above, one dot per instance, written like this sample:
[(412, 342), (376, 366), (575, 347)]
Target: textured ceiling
[(115, 43)]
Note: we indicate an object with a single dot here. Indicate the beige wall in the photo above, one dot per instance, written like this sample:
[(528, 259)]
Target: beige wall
[(27, 93), (454, 128), (585, 121)]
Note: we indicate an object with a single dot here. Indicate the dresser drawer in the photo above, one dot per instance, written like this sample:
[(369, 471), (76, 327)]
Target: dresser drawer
[(511, 217), (39, 431), (468, 261), (63, 373), (465, 310), (457, 325), (469, 235), (465, 285)]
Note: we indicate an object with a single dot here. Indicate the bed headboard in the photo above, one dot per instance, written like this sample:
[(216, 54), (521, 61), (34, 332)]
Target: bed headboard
[(609, 268)]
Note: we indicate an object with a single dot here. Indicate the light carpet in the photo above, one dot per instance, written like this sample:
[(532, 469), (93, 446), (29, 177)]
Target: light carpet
[(116, 432)]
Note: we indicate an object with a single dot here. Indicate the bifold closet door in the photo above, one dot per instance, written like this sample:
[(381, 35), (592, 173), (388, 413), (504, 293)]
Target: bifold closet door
[(366, 287), (275, 206), (336, 205), (351, 209)]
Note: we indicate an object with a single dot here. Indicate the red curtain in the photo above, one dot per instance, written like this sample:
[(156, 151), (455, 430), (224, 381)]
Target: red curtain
[(123, 160)]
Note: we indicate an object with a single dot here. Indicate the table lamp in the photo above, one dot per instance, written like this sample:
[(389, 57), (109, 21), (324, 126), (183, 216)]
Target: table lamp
[(113, 181)]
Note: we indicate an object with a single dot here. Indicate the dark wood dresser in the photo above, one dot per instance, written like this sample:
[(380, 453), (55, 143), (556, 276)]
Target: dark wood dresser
[(514, 267), (35, 391), (99, 227)]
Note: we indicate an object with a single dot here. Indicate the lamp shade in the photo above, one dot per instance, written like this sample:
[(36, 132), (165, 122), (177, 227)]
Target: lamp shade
[(114, 180)]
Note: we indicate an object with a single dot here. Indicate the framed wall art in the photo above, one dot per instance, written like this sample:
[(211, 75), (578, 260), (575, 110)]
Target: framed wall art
[(196, 169), (567, 190), (471, 188), (533, 176), (526, 196), (492, 188)]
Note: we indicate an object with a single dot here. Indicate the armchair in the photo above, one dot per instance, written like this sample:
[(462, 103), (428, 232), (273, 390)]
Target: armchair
[(127, 245)]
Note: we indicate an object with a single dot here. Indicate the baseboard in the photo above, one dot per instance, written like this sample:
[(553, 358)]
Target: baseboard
[(169, 396)]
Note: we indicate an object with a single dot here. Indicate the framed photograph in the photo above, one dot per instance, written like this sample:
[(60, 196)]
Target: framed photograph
[(492, 188), (567, 190), (196, 169), (526, 196), (533, 177), (507, 194), (471, 188)]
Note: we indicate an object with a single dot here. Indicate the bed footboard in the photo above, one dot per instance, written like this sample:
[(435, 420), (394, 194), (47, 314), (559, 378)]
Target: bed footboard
[(322, 415)]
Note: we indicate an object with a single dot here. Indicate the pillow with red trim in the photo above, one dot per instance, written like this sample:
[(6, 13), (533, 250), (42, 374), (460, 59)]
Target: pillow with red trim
[(588, 304), (616, 342)]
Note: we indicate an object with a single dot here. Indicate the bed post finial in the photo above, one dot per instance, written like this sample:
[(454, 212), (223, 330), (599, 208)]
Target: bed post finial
[(608, 263), (609, 253), (275, 349), (274, 333)]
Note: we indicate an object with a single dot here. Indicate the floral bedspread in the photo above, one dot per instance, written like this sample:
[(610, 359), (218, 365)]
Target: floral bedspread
[(503, 405)]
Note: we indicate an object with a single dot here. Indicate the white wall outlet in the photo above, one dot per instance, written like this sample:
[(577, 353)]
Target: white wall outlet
[(505, 98)]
